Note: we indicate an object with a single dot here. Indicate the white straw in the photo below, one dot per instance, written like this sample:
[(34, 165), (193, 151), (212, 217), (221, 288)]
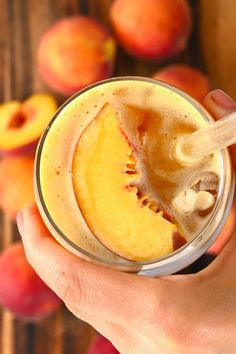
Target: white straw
[(205, 141)]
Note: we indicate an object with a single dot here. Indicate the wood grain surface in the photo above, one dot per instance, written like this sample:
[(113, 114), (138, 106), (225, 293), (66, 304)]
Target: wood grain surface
[(21, 24), (217, 33)]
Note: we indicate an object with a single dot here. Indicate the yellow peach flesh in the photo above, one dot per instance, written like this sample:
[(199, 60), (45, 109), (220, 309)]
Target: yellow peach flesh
[(107, 199), (37, 110)]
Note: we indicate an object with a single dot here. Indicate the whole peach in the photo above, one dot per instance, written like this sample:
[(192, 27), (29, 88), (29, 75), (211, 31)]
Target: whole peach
[(186, 78), (153, 29), (16, 184), (74, 53), (21, 289), (101, 345)]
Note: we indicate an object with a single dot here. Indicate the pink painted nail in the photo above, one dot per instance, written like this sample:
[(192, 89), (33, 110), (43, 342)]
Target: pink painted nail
[(20, 222), (220, 98)]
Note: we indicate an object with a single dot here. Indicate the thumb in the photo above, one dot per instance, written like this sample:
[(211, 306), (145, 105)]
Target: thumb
[(219, 104)]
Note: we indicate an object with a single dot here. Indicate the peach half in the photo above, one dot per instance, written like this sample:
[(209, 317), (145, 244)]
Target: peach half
[(21, 124), (104, 178)]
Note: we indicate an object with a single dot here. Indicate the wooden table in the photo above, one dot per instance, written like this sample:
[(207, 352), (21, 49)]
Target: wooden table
[(211, 48)]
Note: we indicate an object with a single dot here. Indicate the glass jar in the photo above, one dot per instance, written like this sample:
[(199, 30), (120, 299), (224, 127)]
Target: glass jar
[(169, 264)]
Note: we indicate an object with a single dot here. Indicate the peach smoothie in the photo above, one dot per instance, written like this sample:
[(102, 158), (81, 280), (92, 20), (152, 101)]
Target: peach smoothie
[(108, 180)]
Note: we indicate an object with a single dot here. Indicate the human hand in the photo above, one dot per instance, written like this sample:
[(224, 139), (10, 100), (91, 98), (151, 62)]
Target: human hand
[(178, 314)]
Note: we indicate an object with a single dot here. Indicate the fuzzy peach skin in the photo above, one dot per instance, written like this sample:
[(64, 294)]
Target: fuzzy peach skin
[(74, 53), (226, 233), (153, 29), (188, 79), (21, 289), (101, 345), (16, 184), (22, 123)]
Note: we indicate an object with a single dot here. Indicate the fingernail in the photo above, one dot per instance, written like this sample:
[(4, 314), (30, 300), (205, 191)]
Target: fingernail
[(220, 98), (20, 222)]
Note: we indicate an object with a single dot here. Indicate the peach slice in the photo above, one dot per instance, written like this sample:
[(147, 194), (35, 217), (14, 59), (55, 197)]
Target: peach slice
[(104, 176), (21, 124)]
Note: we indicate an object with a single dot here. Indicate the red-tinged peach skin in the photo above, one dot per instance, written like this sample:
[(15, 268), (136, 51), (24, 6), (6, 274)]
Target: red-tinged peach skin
[(188, 79), (16, 184), (178, 240), (74, 53), (26, 151), (101, 345), (226, 233), (21, 289), (21, 124), (153, 29)]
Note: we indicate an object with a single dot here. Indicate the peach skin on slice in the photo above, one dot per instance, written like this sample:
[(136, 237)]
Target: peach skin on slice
[(103, 177), (21, 124)]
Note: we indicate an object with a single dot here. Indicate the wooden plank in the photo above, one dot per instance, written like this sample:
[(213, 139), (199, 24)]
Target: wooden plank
[(49, 335), (217, 31), (7, 342), (77, 335)]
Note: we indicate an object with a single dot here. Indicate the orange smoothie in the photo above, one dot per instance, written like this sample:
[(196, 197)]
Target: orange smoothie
[(108, 178)]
